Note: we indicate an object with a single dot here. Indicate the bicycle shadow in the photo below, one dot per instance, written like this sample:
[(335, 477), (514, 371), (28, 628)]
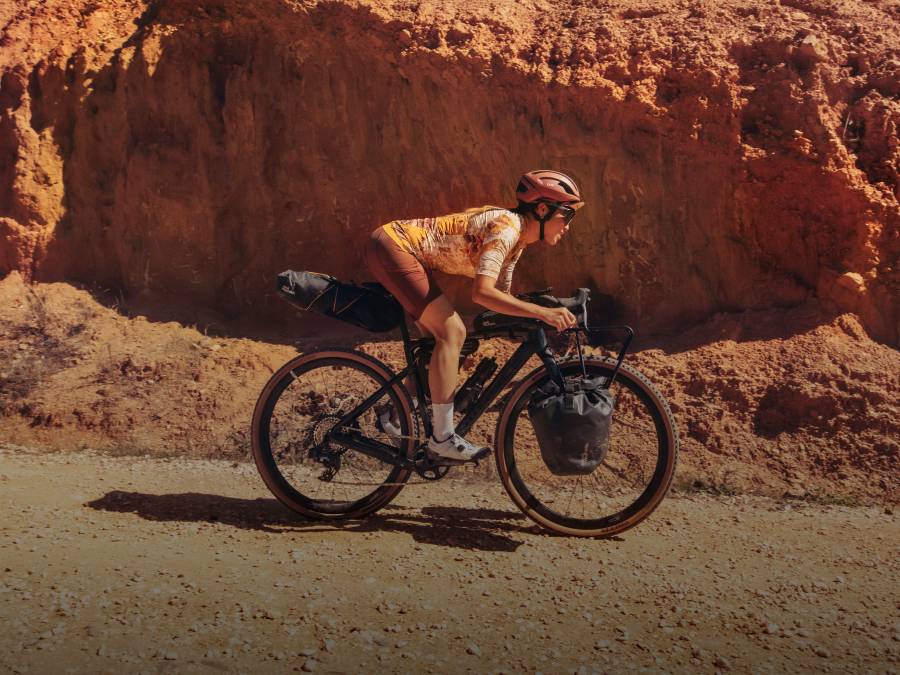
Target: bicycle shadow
[(455, 527)]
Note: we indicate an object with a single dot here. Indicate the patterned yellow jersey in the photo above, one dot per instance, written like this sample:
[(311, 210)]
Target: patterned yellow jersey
[(484, 240)]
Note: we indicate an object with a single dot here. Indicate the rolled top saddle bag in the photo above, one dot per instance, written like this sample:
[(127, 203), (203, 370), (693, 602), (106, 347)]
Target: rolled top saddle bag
[(368, 306)]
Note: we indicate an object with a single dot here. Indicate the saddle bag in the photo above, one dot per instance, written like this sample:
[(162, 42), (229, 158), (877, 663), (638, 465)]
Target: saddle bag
[(572, 424), (368, 306)]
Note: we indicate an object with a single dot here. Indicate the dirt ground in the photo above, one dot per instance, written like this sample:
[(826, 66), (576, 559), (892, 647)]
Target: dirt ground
[(177, 565), (164, 159)]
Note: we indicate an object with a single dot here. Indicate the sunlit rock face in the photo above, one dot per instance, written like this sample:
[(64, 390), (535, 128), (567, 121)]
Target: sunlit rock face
[(732, 155)]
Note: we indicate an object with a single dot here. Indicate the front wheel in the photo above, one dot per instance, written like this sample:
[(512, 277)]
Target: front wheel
[(624, 489), (297, 409)]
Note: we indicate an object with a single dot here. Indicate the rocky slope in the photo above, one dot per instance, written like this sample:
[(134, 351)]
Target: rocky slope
[(813, 415), (736, 155)]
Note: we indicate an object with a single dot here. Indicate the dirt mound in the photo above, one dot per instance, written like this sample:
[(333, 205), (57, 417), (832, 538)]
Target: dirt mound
[(817, 409), (812, 415), (124, 385), (744, 155)]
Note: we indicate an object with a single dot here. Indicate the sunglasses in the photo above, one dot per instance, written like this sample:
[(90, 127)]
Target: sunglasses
[(567, 213)]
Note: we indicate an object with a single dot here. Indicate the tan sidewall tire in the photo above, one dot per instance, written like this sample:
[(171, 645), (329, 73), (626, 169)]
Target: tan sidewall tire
[(364, 359), (672, 437)]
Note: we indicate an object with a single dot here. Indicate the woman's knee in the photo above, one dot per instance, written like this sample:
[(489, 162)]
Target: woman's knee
[(453, 332), (444, 324)]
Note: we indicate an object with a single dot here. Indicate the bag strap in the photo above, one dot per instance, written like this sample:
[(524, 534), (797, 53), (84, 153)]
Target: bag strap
[(572, 389), (334, 304)]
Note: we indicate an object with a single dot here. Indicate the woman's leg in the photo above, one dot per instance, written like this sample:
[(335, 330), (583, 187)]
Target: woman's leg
[(413, 286), (449, 331)]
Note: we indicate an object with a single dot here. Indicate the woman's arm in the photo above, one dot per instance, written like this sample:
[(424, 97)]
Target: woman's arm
[(486, 294)]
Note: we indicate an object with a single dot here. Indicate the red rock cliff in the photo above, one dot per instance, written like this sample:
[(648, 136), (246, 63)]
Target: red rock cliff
[(734, 155)]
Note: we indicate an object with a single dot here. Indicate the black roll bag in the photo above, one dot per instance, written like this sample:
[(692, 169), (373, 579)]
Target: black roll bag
[(572, 424), (367, 306)]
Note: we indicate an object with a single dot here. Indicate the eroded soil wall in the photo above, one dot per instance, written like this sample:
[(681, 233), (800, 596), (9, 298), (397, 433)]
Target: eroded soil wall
[(734, 155)]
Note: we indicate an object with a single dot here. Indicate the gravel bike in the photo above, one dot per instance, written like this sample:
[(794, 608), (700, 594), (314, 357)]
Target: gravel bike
[(320, 447)]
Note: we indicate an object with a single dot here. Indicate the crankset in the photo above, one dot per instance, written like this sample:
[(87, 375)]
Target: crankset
[(434, 467)]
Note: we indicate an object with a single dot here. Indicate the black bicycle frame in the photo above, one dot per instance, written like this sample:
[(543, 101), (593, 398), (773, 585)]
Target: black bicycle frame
[(534, 344)]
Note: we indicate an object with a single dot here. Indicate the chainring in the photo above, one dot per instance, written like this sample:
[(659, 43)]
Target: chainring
[(427, 468)]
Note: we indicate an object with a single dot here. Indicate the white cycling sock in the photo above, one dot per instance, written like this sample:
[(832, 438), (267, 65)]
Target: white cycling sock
[(443, 420)]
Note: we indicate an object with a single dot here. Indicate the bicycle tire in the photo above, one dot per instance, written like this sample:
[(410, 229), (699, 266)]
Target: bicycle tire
[(615, 523), (267, 464)]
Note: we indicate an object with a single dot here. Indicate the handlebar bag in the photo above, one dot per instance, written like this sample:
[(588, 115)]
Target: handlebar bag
[(365, 306), (572, 424)]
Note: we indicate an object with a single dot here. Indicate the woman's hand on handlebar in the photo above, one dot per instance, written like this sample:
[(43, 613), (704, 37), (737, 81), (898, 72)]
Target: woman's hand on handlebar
[(557, 317)]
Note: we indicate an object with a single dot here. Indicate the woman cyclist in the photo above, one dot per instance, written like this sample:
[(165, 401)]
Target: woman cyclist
[(482, 243)]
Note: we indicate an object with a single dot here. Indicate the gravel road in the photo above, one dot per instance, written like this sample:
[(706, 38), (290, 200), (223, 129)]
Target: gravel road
[(138, 564)]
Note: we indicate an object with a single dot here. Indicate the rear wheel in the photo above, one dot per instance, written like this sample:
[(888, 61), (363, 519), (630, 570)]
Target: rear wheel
[(623, 490), (301, 403)]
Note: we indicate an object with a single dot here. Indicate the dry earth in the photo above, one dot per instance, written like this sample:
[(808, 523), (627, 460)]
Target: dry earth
[(117, 565), (794, 402), (169, 157)]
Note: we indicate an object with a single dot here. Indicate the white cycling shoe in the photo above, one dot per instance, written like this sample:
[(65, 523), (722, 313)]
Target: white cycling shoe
[(387, 425), (458, 448)]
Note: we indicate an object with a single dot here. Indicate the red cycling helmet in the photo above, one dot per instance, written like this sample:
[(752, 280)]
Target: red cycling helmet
[(544, 185), (552, 188)]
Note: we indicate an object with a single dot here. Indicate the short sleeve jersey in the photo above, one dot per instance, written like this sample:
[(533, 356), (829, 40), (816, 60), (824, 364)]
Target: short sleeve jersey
[(485, 240)]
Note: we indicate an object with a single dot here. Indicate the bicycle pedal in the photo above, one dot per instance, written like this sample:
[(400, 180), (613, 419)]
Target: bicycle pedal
[(437, 460)]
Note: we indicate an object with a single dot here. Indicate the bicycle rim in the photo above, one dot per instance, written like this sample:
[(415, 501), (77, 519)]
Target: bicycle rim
[(299, 406), (630, 483)]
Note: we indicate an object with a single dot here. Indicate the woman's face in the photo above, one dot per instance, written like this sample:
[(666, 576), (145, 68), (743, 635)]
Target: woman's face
[(555, 228)]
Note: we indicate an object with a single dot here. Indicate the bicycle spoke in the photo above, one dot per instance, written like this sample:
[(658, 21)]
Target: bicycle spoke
[(581, 486), (569, 504), (321, 474), (616, 472), (598, 500)]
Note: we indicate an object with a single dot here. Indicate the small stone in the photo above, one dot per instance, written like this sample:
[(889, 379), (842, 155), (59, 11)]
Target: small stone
[(821, 651), (812, 50), (309, 666), (722, 662), (473, 650)]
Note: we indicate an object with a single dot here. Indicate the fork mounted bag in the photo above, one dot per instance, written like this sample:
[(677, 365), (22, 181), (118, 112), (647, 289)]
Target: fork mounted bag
[(572, 424), (366, 306)]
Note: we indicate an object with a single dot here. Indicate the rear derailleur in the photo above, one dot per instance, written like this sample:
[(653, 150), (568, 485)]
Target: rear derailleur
[(321, 449)]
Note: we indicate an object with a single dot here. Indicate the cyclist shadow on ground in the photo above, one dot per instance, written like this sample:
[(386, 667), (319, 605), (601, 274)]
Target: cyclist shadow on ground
[(457, 527)]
